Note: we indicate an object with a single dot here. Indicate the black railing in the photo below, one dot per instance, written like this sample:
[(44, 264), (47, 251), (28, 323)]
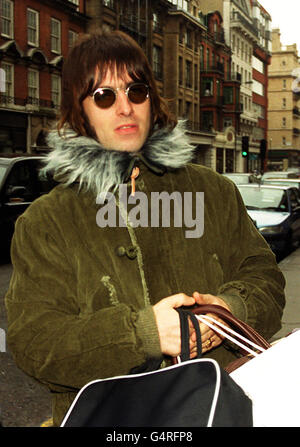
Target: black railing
[(12, 100), (236, 16), (218, 66), (219, 36)]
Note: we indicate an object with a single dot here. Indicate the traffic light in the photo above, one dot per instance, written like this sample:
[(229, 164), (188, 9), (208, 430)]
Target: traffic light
[(245, 146)]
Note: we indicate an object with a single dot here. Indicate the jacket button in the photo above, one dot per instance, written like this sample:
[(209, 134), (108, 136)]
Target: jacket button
[(121, 251), (131, 252), (215, 257)]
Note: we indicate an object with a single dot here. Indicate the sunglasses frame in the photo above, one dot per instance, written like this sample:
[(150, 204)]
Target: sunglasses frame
[(116, 90)]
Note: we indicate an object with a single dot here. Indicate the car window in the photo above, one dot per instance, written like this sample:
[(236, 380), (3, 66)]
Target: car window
[(44, 181), (3, 170), (260, 198), (294, 198), (20, 175)]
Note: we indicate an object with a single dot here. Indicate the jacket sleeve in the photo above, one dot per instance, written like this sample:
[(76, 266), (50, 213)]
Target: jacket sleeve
[(254, 285), (48, 337)]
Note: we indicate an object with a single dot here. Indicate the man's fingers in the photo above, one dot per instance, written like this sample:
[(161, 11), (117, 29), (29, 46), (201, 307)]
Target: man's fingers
[(178, 300)]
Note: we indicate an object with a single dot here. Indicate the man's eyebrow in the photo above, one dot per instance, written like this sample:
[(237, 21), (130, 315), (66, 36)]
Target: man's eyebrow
[(128, 84)]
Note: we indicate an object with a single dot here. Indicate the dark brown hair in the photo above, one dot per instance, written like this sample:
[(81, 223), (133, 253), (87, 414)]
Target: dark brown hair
[(93, 55)]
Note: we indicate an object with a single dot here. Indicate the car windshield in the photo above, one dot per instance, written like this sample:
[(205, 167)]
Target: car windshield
[(264, 199), (2, 173)]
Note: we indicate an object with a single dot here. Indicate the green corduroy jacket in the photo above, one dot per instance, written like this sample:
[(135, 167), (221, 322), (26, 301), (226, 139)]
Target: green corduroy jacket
[(80, 300)]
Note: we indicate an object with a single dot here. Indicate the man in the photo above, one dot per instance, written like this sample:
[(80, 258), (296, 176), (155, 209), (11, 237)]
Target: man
[(92, 295)]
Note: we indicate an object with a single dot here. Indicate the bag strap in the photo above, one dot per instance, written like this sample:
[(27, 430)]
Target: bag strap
[(238, 325), (184, 317), (234, 338)]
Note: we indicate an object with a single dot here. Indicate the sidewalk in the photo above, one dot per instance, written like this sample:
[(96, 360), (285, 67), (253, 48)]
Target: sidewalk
[(290, 267)]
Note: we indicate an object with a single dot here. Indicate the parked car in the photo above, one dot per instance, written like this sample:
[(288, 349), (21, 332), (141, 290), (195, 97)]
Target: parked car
[(279, 174), (21, 182), (293, 182), (242, 178), (276, 211)]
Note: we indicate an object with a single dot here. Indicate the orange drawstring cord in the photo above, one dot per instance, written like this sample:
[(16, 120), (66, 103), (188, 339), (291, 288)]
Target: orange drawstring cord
[(134, 175)]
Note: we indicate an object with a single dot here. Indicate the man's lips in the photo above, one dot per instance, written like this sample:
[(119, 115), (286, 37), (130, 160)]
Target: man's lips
[(126, 128)]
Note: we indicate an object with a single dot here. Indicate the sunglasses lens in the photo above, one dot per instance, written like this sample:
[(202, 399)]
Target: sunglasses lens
[(104, 98), (138, 93)]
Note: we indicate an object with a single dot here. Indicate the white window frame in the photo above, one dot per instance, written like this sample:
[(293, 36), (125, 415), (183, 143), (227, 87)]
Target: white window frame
[(9, 79), (33, 87), (55, 38), (72, 37), (9, 18), (34, 28), (55, 89)]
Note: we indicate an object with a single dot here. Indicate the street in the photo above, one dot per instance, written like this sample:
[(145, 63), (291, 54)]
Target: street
[(25, 403)]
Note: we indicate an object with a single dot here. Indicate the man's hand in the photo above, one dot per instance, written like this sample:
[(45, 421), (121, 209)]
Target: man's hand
[(210, 339), (168, 323)]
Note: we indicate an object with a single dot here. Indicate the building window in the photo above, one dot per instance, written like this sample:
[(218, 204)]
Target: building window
[(201, 57), (180, 70), (33, 84), (196, 77), (283, 141), (9, 79), (188, 110), (238, 47), (55, 35), (188, 38), (109, 3), (181, 4), (32, 27), (72, 37), (188, 74), (207, 87), (180, 108), (157, 25), (55, 90), (157, 61), (207, 120), (283, 122), (228, 95), (7, 18), (284, 83), (283, 103), (207, 59), (233, 43)]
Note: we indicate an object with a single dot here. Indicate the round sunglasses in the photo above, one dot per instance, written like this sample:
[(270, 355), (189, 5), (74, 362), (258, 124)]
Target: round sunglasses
[(104, 97)]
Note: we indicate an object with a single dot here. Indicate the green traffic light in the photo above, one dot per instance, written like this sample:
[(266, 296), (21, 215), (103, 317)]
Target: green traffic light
[(244, 154)]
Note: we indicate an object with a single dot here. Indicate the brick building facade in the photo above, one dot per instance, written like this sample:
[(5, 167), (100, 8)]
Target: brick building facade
[(284, 105), (187, 50), (35, 36)]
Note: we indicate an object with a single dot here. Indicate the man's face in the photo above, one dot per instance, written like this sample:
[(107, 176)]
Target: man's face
[(124, 126)]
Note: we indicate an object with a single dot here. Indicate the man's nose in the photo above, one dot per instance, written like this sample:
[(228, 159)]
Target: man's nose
[(123, 105)]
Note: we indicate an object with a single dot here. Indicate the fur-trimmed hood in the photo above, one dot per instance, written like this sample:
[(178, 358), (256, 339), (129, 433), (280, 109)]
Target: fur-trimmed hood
[(84, 160)]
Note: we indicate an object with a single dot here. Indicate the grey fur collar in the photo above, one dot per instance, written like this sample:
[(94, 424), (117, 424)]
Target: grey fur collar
[(84, 160)]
